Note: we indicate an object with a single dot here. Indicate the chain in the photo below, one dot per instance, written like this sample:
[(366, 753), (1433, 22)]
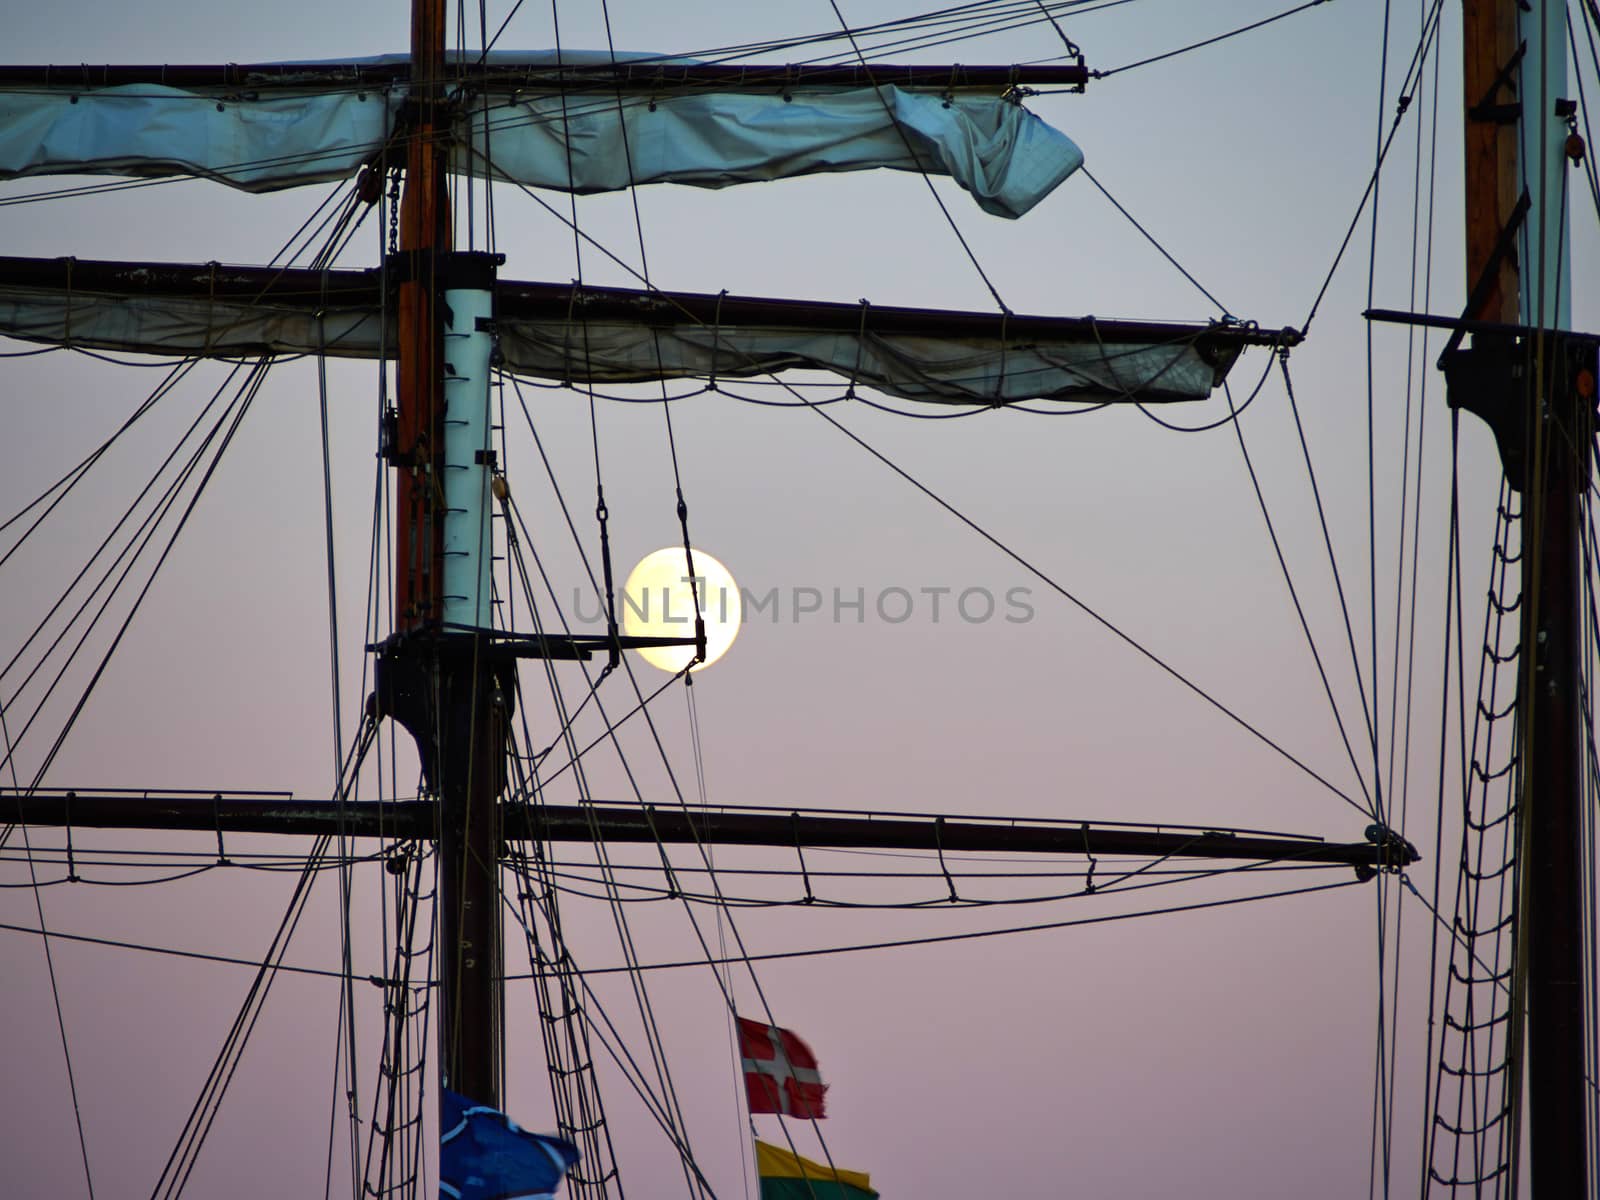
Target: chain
[(394, 212)]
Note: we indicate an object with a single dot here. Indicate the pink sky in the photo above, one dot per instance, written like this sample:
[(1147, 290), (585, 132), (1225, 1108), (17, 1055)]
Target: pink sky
[(1227, 1051)]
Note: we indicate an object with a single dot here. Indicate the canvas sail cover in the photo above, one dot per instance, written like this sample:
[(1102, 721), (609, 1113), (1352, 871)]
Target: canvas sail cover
[(568, 334), (321, 127)]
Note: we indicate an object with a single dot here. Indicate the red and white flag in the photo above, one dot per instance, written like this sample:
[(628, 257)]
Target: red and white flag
[(780, 1072)]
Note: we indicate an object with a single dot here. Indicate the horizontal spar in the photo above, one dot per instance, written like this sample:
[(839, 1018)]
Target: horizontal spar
[(536, 71), (309, 290), (571, 334), (627, 823)]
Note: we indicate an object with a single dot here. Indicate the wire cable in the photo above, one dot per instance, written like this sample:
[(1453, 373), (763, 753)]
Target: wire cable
[(1210, 41), (1150, 237), (1105, 623)]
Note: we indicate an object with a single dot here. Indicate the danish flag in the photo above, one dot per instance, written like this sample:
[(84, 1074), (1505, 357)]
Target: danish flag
[(780, 1072)]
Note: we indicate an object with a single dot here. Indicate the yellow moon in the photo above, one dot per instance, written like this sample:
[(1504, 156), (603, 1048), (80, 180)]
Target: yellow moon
[(657, 602)]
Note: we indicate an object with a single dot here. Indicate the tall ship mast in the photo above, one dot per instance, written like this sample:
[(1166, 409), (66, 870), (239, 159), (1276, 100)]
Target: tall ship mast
[(525, 775)]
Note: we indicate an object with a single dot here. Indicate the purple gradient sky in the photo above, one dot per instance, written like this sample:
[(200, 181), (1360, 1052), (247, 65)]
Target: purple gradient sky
[(1220, 1052)]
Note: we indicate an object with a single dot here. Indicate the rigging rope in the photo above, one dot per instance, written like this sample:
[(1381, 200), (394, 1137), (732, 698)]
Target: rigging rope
[(922, 170), (347, 1024), (1227, 315), (1300, 612), (1083, 607), (677, 792), (231, 417), (1402, 744), (620, 923), (49, 955), (1210, 41), (1425, 42)]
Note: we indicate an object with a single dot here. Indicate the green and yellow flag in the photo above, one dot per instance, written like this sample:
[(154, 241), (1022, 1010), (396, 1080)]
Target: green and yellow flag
[(786, 1176)]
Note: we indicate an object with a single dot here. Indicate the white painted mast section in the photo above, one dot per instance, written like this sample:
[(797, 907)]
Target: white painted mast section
[(468, 467), (1546, 275)]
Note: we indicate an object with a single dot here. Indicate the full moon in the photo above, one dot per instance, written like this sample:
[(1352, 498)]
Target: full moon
[(657, 601)]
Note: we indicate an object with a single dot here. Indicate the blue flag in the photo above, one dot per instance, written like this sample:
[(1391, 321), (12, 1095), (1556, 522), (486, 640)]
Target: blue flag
[(485, 1155)]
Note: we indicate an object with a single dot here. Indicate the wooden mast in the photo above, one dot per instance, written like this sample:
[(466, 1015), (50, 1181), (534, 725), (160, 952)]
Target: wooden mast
[(1489, 154), (1559, 437), (1526, 381), (424, 237), (438, 682)]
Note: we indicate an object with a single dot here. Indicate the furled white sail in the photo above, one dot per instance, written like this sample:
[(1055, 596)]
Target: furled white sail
[(318, 129), (572, 347), (946, 369), (150, 131), (998, 151)]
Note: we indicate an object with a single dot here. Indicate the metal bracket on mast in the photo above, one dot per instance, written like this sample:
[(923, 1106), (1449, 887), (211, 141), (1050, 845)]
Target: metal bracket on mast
[(1488, 380), (1492, 379), (414, 674), (1491, 111)]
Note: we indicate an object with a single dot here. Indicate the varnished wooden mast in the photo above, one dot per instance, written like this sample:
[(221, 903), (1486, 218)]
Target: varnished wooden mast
[(1514, 73), (1489, 155), (424, 238), (437, 681), (1559, 426)]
